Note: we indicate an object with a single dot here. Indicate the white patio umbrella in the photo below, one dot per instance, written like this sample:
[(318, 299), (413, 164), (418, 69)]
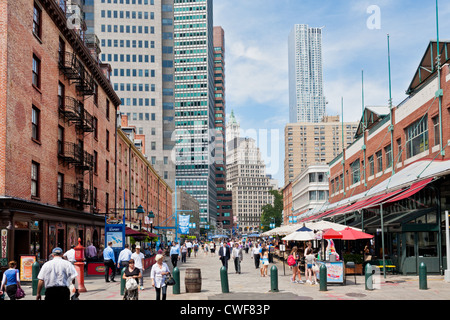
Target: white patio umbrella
[(302, 234)]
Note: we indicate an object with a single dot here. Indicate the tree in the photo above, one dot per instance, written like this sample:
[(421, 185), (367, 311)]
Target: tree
[(274, 211)]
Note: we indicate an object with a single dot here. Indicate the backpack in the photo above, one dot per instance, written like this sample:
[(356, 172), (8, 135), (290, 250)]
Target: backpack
[(291, 260)]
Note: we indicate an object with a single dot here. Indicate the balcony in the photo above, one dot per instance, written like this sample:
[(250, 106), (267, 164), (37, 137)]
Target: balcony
[(74, 70), (76, 194), (72, 111), (73, 154)]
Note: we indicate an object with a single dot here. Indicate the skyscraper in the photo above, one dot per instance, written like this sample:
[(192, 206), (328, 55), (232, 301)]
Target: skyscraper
[(136, 38), (306, 99), (194, 104)]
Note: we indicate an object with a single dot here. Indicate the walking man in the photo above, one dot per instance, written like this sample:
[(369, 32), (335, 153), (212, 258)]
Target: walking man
[(224, 254), (109, 260), (174, 254), (124, 257), (56, 275), (256, 255), (237, 256), (70, 255), (138, 258)]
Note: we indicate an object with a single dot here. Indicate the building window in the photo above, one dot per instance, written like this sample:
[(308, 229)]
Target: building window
[(95, 125), (60, 140), (417, 137), (94, 198), (96, 94), (388, 153), (107, 140), (37, 21), (399, 150), (107, 109), (36, 71), (436, 130), (107, 170), (35, 179), (95, 162), (355, 171), (379, 156), (371, 166), (60, 191), (35, 123)]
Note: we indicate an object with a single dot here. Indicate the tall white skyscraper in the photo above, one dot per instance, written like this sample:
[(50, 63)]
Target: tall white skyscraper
[(194, 104), (306, 99)]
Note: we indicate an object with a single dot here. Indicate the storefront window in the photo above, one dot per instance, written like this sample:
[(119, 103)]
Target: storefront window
[(409, 244), (427, 244)]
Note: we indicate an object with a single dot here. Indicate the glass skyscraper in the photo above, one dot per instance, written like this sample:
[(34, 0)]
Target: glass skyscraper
[(306, 99), (194, 104)]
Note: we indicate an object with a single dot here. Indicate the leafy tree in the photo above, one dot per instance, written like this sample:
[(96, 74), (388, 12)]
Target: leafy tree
[(274, 211)]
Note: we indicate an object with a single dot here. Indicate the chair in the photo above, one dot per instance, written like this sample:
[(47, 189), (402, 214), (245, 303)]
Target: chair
[(350, 265)]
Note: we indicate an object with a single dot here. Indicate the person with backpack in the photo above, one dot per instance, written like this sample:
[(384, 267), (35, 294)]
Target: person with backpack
[(293, 262)]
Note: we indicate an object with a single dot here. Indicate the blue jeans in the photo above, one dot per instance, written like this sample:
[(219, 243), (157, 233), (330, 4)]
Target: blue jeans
[(158, 293)]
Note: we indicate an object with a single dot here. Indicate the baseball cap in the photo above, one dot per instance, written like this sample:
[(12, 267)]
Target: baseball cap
[(138, 247), (57, 250)]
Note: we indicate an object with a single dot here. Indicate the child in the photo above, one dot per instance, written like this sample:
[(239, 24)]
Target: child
[(264, 261)]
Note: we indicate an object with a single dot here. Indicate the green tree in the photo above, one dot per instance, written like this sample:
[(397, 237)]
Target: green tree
[(274, 211)]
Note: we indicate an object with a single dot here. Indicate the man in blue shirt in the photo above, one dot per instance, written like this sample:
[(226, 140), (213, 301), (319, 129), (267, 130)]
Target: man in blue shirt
[(109, 261), (174, 254)]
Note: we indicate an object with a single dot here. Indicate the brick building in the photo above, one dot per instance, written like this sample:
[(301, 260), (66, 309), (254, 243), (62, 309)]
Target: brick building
[(393, 181), (57, 116), (138, 183)]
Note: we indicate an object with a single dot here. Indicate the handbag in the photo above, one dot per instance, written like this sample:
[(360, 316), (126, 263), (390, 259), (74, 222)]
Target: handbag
[(131, 284), (20, 293), (169, 281), (291, 260)]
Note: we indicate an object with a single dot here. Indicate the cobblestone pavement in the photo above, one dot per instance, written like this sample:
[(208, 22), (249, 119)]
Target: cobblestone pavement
[(249, 285)]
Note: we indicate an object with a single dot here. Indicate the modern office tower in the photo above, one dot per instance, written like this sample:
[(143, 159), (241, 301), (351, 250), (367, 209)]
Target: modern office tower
[(194, 104), (306, 99), (247, 179), (314, 143), (136, 38), (224, 197)]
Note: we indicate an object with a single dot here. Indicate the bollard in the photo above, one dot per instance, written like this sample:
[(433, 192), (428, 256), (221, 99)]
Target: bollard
[(423, 276), (34, 273), (176, 277), (274, 279), (368, 275), (122, 282), (224, 279), (323, 277)]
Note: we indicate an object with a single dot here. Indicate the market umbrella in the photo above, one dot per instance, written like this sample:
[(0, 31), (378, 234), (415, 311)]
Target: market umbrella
[(351, 234), (331, 234), (300, 235), (303, 229)]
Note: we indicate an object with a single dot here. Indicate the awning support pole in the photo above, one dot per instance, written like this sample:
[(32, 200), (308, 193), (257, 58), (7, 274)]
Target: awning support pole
[(382, 240)]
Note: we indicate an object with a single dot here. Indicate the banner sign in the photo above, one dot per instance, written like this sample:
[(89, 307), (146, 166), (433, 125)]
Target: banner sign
[(4, 248), (183, 224)]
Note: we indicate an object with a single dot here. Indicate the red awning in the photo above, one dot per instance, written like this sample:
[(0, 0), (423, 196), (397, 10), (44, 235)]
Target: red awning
[(380, 199), (352, 234), (143, 233), (415, 187)]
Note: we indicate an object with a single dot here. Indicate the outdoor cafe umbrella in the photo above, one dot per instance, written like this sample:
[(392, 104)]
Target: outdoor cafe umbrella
[(331, 234), (302, 234), (351, 234)]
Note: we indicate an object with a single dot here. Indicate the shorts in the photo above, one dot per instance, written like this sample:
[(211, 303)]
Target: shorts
[(309, 265)]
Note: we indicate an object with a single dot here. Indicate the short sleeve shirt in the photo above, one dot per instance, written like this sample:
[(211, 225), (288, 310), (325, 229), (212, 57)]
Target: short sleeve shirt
[(57, 273)]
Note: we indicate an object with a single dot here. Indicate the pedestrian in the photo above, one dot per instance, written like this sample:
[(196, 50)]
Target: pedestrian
[(138, 258), (10, 281), (310, 259), (124, 257), (158, 275), (212, 248), (131, 272), (184, 252), (195, 248), (295, 266), (264, 261), (189, 248), (256, 255), (109, 260), (237, 256), (174, 254), (70, 254), (271, 251), (91, 252), (224, 254), (56, 276)]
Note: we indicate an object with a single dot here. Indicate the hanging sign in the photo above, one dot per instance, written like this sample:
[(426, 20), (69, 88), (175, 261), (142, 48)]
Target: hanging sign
[(183, 224)]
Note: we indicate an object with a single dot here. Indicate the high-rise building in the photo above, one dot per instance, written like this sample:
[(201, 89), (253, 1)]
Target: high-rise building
[(314, 143), (136, 38), (224, 197), (194, 104), (247, 179), (306, 99)]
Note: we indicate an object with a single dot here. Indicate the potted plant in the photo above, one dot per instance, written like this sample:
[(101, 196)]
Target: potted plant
[(357, 259)]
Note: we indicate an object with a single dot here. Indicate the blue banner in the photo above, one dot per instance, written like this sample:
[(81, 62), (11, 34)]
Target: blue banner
[(183, 224)]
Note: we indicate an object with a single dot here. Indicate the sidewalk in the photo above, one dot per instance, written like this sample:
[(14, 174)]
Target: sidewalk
[(249, 285)]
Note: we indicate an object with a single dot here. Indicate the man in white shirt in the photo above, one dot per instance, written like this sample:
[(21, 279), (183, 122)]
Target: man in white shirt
[(189, 247), (124, 257), (70, 255), (138, 258), (57, 275)]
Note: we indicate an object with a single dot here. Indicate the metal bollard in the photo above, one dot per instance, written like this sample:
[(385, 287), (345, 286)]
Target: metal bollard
[(323, 277), (176, 277), (274, 279), (368, 275), (122, 282), (34, 273), (423, 276), (224, 279)]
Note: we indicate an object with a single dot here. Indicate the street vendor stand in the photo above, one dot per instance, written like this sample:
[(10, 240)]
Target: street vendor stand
[(329, 257)]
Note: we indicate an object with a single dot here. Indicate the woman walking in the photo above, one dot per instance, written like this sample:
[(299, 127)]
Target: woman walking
[(264, 261), (295, 267), (10, 281), (158, 275), (131, 272)]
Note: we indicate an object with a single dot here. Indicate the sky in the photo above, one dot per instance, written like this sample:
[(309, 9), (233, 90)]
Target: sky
[(354, 46)]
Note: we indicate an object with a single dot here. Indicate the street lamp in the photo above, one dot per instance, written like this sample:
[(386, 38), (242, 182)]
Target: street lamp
[(150, 217)]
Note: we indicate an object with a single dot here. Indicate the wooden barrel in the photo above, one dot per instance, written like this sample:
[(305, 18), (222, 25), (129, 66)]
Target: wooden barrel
[(193, 280)]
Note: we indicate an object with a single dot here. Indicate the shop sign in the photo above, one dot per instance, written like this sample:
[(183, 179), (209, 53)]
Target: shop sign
[(26, 267), (4, 248)]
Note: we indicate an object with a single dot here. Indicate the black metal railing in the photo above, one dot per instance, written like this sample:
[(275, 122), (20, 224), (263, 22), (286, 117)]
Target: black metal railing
[(74, 70), (74, 154), (77, 194)]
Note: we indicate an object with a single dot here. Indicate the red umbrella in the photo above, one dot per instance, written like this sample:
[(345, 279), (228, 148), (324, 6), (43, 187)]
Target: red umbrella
[(331, 234), (352, 234)]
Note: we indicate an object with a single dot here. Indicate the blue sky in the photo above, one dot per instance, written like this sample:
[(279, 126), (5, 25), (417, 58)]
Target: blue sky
[(256, 59)]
